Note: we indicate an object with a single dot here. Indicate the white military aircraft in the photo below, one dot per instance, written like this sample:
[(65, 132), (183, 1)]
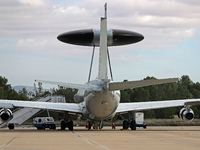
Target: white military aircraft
[(99, 100)]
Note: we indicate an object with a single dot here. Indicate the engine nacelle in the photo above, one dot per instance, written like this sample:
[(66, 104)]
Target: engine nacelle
[(5, 115), (186, 115), (78, 98)]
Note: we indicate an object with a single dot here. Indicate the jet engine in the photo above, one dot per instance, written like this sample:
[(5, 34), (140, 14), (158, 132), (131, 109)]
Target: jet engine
[(186, 114), (5, 115), (78, 98)]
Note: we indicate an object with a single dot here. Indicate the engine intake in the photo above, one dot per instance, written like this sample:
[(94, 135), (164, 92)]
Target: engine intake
[(5, 115), (78, 98), (186, 115)]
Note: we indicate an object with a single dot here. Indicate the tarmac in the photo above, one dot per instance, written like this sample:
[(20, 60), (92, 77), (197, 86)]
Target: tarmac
[(152, 138)]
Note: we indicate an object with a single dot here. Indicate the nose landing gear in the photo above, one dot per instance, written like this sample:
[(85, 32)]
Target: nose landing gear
[(95, 124)]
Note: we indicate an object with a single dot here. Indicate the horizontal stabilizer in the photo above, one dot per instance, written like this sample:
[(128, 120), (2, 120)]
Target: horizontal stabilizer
[(135, 84), (73, 86)]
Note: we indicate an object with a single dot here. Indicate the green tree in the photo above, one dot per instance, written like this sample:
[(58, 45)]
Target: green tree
[(185, 81), (6, 91), (125, 97), (67, 92), (139, 95)]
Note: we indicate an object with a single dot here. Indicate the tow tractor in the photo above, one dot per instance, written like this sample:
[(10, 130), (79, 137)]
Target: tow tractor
[(44, 122)]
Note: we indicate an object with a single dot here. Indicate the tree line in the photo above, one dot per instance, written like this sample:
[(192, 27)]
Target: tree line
[(7, 92), (185, 88)]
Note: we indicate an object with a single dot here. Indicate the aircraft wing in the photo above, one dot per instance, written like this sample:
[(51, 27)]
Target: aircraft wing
[(70, 107), (73, 86), (138, 106), (135, 84)]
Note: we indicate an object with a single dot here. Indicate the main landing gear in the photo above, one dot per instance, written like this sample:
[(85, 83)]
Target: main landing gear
[(67, 123), (131, 124)]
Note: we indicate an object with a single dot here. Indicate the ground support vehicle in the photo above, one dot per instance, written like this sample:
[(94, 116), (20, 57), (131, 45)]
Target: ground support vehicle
[(41, 123)]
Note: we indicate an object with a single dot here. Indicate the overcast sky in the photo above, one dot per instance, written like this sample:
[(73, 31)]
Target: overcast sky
[(29, 48)]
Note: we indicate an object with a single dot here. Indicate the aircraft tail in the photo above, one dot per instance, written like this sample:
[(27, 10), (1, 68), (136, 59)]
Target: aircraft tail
[(102, 71)]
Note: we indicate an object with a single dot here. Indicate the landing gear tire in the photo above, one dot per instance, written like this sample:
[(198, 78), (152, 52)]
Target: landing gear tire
[(89, 125), (133, 125), (11, 126), (125, 124), (70, 125), (63, 125)]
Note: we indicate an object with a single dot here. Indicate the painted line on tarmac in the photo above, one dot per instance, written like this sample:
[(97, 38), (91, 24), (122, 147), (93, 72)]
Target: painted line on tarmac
[(119, 139), (7, 143), (90, 141)]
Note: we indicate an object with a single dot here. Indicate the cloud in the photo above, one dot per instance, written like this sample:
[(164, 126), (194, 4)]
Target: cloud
[(41, 17), (31, 26), (30, 44), (35, 3), (163, 22), (68, 10)]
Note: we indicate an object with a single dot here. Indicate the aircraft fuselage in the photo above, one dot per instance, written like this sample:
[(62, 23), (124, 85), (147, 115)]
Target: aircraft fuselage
[(100, 105)]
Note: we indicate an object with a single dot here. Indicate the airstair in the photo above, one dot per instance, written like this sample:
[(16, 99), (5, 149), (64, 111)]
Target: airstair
[(20, 115)]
